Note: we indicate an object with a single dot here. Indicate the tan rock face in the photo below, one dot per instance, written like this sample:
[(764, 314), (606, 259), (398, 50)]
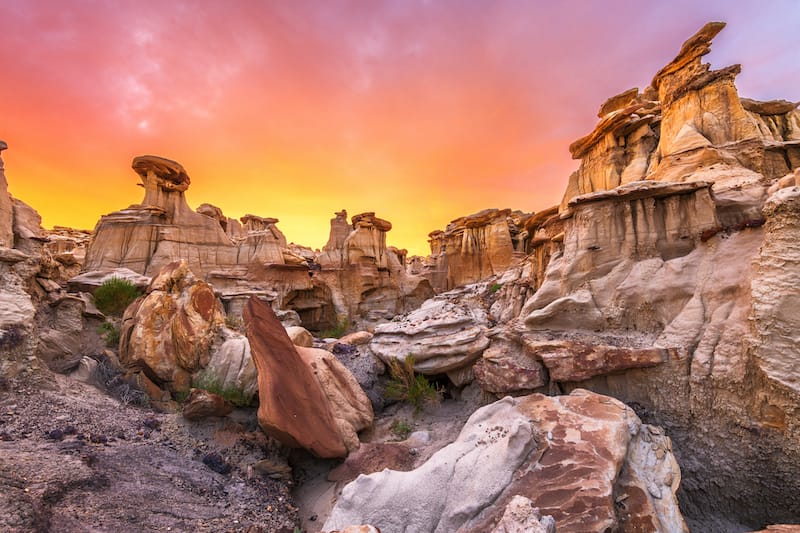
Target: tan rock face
[(563, 454), (475, 247), (574, 361), (367, 280), (350, 408), (775, 301), (306, 399), (6, 206), (690, 121), (300, 336), (506, 367), (168, 332)]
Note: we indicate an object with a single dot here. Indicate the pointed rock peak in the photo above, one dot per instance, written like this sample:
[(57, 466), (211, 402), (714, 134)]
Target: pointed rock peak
[(3, 145), (167, 174), (694, 48)]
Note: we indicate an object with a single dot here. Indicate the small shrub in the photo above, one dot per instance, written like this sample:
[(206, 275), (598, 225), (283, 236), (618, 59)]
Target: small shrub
[(337, 331), (11, 337), (234, 322), (210, 383), (494, 287), (115, 383), (406, 385), (115, 295), (110, 332), (400, 429)]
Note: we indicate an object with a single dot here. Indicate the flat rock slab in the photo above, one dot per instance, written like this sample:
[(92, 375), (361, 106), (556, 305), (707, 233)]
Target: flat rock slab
[(575, 361)]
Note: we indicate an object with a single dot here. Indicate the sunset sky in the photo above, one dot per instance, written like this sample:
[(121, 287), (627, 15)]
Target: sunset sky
[(422, 111)]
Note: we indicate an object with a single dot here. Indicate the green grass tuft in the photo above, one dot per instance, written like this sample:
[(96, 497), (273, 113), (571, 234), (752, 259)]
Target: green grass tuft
[(400, 429), (337, 331), (110, 332), (115, 295), (494, 287), (210, 383), (406, 385)]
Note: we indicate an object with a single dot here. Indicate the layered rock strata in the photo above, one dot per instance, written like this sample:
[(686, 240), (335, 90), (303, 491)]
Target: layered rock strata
[(6, 206), (689, 125), (446, 334), (475, 247), (356, 277), (676, 252)]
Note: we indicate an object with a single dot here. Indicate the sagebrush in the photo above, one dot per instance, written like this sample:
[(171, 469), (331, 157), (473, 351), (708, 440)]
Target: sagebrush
[(110, 333)]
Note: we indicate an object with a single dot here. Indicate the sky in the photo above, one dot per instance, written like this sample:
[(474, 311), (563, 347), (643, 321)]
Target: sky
[(419, 110)]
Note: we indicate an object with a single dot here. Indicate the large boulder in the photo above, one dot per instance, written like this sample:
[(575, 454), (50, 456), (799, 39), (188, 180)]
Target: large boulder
[(231, 366), (584, 459), (307, 399), (167, 333), (445, 335)]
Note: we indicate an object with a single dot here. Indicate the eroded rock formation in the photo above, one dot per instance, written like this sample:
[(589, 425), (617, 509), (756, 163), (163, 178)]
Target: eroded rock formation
[(674, 254), (356, 277), (6, 206), (368, 280), (689, 125), (584, 459), (167, 333), (446, 334), (475, 247)]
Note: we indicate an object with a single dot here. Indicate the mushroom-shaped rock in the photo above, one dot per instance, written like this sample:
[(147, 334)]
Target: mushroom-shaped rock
[(164, 173), (307, 399)]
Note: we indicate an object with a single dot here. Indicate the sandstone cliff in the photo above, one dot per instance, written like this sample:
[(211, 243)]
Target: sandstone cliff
[(666, 262), (6, 206)]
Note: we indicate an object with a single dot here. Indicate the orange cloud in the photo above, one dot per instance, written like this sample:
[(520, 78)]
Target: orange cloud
[(420, 111)]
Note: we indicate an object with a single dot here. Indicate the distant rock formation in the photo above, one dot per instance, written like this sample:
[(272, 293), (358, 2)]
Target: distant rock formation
[(689, 125), (475, 247), (368, 279), (163, 228), (356, 277)]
